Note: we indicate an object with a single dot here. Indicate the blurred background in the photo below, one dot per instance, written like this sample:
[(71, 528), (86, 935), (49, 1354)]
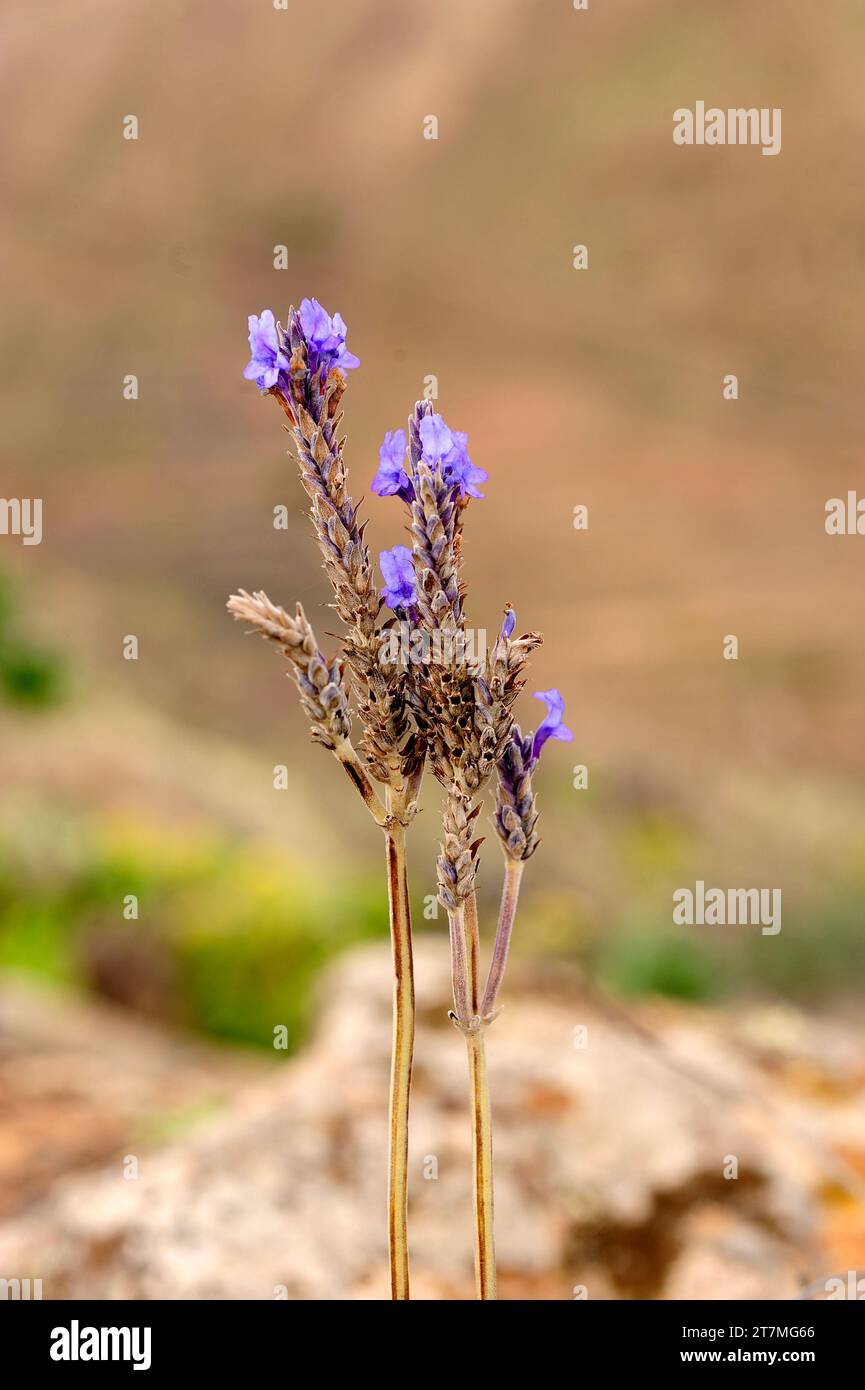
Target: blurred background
[(152, 1037)]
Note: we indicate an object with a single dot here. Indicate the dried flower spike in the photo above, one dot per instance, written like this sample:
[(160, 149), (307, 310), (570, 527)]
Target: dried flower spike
[(303, 367)]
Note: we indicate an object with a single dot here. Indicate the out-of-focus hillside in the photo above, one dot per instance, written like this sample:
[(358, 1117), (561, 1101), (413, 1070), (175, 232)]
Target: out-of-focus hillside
[(453, 257), (148, 857)]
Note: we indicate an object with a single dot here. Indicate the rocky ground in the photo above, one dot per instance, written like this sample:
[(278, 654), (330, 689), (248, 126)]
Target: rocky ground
[(679, 1153)]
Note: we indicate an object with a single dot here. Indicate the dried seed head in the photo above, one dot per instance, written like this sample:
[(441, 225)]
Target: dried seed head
[(516, 808), (309, 393), (434, 528), (457, 863), (391, 744), (323, 693), (312, 395)]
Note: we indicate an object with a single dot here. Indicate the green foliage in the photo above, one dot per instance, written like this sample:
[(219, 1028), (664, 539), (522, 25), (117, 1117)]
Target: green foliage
[(823, 950), (237, 934), (31, 677), (244, 932), (660, 963)]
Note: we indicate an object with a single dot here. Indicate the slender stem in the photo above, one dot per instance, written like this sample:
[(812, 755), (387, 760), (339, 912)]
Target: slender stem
[(401, 1056), (360, 780), (473, 950), (459, 968), (485, 1250), (465, 952), (507, 912)]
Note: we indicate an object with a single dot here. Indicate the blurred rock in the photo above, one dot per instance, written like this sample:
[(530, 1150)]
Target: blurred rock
[(613, 1161), (82, 1083)]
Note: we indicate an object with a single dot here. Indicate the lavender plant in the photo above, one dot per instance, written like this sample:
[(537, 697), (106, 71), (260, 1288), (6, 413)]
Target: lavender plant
[(303, 367), (421, 694), (463, 711)]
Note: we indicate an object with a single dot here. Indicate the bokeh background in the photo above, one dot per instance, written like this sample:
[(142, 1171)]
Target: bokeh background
[(452, 257)]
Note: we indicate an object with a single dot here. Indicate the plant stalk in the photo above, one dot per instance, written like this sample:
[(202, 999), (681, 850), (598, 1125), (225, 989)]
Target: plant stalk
[(361, 781), (482, 1134), (507, 912), (482, 1163), (401, 1055), (473, 947)]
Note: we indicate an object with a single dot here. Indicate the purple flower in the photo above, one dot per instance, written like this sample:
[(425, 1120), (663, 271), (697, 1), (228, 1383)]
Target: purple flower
[(391, 477), (460, 469), (552, 726), (398, 571), (268, 359), (325, 338), (509, 623), (435, 437), (448, 447)]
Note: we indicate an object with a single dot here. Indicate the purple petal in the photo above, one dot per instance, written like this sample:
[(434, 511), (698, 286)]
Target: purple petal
[(555, 703), (325, 337), (398, 572), (436, 438), (459, 468), (391, 476), (470, 479), (552, 726), (315, 322), (384, 484), (392, 448), (262, 333), (267, 359)]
